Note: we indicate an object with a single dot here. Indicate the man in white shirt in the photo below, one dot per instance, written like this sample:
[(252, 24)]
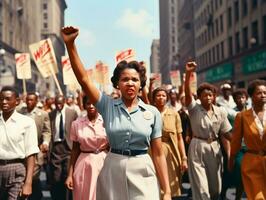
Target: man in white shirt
[(18, 147)]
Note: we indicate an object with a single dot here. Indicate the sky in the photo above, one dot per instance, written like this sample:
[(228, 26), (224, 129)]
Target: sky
[(109, 26)]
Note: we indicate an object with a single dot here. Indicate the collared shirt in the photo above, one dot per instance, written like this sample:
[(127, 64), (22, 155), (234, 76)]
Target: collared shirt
[(129, 130), (260, 125), (18, 137), (90, 136), (57, 122), (205, 126)]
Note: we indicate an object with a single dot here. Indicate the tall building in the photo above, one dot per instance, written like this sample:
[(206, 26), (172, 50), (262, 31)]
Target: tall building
[(51, 23), (230, 40), (168, 37), (21, 24), (186, 49), (155, 56)]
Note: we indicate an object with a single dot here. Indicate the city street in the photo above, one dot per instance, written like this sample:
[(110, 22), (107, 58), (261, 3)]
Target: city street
[(230, 195)]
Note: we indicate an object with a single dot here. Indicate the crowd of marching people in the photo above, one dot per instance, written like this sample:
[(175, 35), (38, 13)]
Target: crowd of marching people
[(139, 142)]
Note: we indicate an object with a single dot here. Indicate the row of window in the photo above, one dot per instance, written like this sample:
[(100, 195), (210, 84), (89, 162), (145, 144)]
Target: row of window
[(213, 55), (241, 41), (206, 17), (214, 4), (211, 32)]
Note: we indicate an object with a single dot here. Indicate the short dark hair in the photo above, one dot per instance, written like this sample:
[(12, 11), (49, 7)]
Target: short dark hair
[(206, 86), (85, 99), (129, 65), (240, 91), (33, 93), (253, 84), (158, 89), (10, 88)]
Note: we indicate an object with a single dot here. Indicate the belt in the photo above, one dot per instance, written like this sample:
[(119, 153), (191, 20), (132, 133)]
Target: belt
[(260, 153), (95, 151), (208, 140), (128, 152), (13, 161)]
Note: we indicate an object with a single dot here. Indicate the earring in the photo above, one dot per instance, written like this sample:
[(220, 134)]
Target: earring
[(117, 87)]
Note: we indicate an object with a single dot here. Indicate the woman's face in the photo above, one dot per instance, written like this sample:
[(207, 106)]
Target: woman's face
[(206, 97), (259, 95), (160, 99), (90, 108), (241, 100), (129, 84)]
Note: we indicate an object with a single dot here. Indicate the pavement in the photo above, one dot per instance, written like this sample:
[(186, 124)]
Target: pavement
[(230, 194)]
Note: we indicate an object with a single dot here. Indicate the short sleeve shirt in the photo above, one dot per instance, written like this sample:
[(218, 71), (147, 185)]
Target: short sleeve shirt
[(90, 136), (18, 137), (129, 130), (204, 126)]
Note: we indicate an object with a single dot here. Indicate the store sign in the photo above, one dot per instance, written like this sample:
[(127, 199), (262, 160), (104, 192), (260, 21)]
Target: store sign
[(222, 72), (253, 63)]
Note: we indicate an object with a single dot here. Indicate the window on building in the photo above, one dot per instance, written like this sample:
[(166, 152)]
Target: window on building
[(255, 36), (237, 42), (44, 6), (173, 20), (236, 7), (211, 7), (216, 4), (254, 4), (213, 55), (173, 39), (244, 8), (230, 46), (221, 2), (222, 50), (11, 38), (1, 30), (45, 16), (212, 30), (209, 57), (245, 38), (221, 23), (216, 27), (229, 17), (173, 49), (218, 52), (264, 28), (45, 25), (172, 9)]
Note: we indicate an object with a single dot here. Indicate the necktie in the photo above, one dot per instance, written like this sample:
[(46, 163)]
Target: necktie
[(61, 127)]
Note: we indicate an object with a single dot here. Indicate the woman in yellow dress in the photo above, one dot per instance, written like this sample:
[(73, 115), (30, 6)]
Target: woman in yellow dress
[(173, 144)]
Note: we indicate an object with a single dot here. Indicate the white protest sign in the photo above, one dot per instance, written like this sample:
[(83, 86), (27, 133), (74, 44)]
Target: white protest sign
[(23, 66), (44, 57)]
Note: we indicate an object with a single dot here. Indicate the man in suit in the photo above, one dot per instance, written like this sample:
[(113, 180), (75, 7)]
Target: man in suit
[(61, 119), (42, 122)]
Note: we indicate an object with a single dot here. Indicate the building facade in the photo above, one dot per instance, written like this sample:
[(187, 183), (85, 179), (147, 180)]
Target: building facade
[(155, 56), (168, 37), (186, 50), (20, 27), (230, 40)]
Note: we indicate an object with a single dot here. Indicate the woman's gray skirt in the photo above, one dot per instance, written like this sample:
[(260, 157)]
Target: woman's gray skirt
[(127, 178)]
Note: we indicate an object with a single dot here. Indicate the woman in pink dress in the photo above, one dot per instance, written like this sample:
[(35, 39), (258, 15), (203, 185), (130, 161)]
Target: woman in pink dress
[(88, 153)]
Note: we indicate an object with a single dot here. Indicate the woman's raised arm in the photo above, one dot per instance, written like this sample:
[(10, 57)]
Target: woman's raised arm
[(69, 35)]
